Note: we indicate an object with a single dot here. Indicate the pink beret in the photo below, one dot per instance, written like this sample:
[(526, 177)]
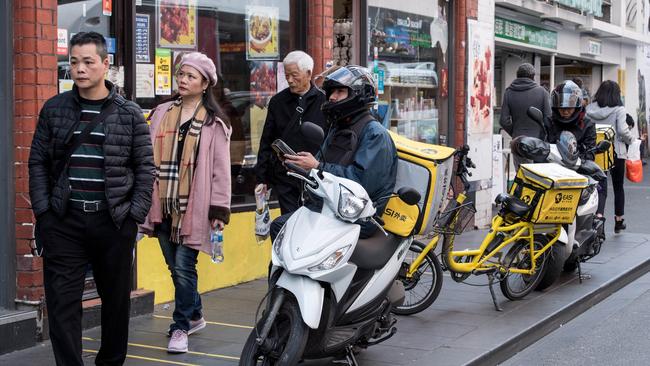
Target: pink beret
[(203, 64)]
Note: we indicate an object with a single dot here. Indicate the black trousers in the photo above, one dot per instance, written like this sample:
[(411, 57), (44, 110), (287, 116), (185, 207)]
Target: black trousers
[(70, 244), (618, 178), (288, 191)]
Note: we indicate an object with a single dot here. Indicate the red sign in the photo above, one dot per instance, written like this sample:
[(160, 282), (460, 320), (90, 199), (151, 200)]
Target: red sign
[(107, 7)]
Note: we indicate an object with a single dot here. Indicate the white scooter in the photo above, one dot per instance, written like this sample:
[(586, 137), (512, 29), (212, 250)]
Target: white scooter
[(585, 236), (331, 293)]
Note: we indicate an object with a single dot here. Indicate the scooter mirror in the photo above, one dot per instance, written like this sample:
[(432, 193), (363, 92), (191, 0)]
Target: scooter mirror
[(409, 195), (536, 115), (603, 146), (312, 132)]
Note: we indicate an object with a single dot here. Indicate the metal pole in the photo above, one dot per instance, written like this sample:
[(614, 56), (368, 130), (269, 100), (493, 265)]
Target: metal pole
[(552, 73)]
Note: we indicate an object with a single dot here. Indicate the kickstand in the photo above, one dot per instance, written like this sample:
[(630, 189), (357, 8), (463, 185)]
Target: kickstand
[(580, 275), (349, 359), (494, 297)]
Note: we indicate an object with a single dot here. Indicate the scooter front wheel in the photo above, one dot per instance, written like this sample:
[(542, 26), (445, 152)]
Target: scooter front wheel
[(285, 342), (423, 287)]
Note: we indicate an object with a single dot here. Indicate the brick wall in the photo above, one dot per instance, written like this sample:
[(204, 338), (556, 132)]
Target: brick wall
[(35, 80), (320, 32)]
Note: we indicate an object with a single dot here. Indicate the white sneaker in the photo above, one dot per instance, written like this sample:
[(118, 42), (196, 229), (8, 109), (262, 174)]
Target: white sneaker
[(178, 342)]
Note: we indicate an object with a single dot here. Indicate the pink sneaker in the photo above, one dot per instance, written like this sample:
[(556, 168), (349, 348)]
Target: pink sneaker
[(178, 342), (196, 325)]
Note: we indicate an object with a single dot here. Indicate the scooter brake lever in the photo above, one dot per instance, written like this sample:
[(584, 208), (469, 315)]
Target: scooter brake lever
[(372, 219)]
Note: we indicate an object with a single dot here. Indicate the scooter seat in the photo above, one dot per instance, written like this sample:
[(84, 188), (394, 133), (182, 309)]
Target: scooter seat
[(375, 251), (513, 205)]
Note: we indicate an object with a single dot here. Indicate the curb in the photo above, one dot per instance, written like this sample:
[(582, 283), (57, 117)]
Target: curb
[(562, 316)]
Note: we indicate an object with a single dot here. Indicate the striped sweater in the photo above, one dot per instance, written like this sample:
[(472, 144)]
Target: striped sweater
[(86, 168)]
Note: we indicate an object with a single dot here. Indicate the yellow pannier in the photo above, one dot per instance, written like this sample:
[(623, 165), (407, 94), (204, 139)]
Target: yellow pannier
[(551, 189), (605, 160), (428, 169)]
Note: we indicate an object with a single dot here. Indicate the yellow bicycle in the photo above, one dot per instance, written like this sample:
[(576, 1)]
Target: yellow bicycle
[(519, 271)]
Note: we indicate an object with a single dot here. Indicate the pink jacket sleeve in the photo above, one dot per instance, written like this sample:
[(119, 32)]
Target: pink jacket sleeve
[(221, 176)]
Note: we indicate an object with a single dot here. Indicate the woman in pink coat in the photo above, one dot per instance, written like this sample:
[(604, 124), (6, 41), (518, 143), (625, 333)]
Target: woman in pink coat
[(191, 195)]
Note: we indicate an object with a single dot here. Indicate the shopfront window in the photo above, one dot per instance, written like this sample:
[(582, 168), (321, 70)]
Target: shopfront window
[(247, 41), (76, 16), (408, 52)]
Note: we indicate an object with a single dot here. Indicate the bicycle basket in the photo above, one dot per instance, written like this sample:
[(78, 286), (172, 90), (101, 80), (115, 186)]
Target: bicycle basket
[(458, 218)]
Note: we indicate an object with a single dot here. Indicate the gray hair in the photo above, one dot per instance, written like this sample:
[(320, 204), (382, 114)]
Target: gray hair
[(300, 59), (526, 70)]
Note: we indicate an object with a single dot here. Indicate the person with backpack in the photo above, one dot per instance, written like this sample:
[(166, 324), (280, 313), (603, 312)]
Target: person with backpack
[(607, 108)]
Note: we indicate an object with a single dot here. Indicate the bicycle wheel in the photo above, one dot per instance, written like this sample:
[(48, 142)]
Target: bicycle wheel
[(516, 286), (422, 289)]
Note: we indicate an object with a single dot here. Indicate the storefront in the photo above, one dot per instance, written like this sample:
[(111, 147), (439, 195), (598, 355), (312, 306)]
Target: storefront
[(406, 46)]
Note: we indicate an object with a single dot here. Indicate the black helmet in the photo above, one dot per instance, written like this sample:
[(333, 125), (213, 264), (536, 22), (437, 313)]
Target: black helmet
[(361, 91), (566, 95)]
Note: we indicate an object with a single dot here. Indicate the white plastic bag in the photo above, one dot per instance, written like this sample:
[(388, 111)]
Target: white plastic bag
[(262, 215)]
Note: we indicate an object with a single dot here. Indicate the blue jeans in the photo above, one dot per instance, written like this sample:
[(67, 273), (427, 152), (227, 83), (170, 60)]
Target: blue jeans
[(181, 261)]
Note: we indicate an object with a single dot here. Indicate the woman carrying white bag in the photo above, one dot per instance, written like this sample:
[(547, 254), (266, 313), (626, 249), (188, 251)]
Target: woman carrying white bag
[(607, 108)]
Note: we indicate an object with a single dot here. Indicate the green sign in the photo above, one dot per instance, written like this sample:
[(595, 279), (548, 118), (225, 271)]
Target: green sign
[(524, 33)]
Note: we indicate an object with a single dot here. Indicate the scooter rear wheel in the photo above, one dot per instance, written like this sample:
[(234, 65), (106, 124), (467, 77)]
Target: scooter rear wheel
[(288, 336), (423, 287)]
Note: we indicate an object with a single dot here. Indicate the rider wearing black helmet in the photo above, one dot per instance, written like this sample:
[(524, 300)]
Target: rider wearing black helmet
[(569, 115), (357, 147)]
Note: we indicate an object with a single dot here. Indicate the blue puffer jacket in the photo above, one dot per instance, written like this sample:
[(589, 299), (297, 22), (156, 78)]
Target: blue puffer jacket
[(374, 165)]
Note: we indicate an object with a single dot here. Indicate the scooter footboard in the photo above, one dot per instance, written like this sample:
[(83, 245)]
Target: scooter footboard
[(308, 293)]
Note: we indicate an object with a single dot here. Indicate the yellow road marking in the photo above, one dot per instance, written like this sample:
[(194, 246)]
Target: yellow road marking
[(148, 359), (165, 349), (213, 323)]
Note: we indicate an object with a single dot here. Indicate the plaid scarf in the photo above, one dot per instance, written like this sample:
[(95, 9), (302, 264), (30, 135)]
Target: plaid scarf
[(174, 177)]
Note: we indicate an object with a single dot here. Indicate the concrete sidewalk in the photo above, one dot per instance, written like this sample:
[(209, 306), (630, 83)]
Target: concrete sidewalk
[(461, 327)]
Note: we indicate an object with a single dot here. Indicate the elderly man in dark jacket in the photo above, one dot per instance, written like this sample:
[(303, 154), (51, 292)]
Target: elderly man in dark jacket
[(91, 175), (523, 93), (301, 101)]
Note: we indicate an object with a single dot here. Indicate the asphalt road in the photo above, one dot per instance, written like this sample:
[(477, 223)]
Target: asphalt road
[(614, 332)]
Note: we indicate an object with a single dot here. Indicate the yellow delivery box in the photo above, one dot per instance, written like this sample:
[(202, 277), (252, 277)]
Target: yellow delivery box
[(428, 169), (551, 189)]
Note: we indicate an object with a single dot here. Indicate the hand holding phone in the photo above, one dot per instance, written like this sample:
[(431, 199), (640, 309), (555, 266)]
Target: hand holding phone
[(281, 148)]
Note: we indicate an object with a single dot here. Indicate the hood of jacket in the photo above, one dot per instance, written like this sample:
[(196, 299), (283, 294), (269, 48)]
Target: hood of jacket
[(521, 84), (599, 113)]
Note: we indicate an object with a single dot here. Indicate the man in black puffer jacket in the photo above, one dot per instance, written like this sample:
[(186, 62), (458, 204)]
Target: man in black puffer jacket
[(91, 177)]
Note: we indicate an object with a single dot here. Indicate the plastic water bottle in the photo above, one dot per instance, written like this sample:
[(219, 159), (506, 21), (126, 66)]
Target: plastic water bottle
[(216, 242)]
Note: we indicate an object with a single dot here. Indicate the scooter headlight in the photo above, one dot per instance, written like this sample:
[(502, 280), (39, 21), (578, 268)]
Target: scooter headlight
[(350, 206), (331, 261), (277, 244)]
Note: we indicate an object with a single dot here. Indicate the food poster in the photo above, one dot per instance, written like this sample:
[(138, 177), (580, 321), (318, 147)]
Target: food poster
[(263, 82), (176, 23), (144, 80), (262, 24), (480, 79), (163, 71)]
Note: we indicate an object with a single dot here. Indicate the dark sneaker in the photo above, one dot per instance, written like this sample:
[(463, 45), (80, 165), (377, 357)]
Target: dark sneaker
[(178, 342), (196, 325), (619, 225)]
